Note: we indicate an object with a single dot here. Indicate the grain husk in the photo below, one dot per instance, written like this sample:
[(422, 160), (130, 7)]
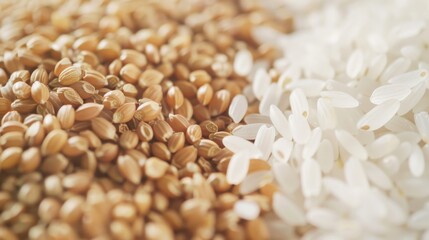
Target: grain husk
[(61, 66), (5, 105), (54, 163), (150, 77), (129, 169), (10, 157), (84, 89), (113, 99), (176, 142), (53, 142), (220, 102), (162, 130), (66, 116), (88, 111), (134, 57), (68, 95), (69, 75), (124, 113), (147, 111), (30, 160), (39, 75), (35, 134), (13, 125), (153, 92), (75, 146), (128, 140), (95, 78), (21, 90), (24, 106), (130, 73), (155, 168), (77, 182), (103, 128), (11, 116), (12, 139), (185, 110), (193, 134), (174, 97), (184, 156)]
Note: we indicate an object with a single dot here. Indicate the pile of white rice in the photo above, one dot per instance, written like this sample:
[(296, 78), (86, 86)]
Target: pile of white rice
[(346, 126)]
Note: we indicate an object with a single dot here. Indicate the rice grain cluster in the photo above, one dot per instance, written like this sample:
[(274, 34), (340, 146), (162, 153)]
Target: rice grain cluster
[(113, 115), (342, 119)]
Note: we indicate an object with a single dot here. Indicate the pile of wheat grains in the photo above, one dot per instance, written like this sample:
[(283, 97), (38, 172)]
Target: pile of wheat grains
[(113, 114)]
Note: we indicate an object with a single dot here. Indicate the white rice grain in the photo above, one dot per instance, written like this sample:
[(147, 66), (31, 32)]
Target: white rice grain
[(286, 177), (254, 181), (324, 218), (351, 144), (237, 144), (287, 210), (311, 178), (397, 67), (419, 220), (300, 129), (377, 176), (422, 124), (298, 102), (282, 150), (243, 62), (378, 116), (326, 115), (410, 79), (280, 122), (238, 108), (355, 64), (340, 99), (311, 87), (257, 118), (247, 131), (264, 140), (238, 167), (313, 143), (376, 66), (416, 163), (325, 156), (388, 92), (261, 82), (355, 174), (382, 146), (247, 209), (271, 97), (411, 101)]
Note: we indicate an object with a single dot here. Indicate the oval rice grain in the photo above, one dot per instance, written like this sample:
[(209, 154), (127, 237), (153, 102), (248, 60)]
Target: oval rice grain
[(300, 128), (298, 102), (351, 144), (416, 163), (238, 108), (238, 167), (282, 150), (311, 178), (280, 122), (340, 99), (422, 124), (355, 64), (389, 92), (287, 210), (378, 116), (243, 62), (264, 140)]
